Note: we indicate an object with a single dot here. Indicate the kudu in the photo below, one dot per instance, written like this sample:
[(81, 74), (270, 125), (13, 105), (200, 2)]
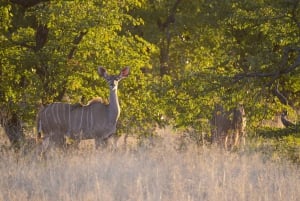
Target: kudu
[(228, 132), (95, 120)]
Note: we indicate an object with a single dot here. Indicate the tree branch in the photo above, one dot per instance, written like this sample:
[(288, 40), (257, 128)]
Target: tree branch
[(275, 74), (41, 37), (294, 13), (171, 17), (28, 3), (280, 96), (76, 41), (165, 44)]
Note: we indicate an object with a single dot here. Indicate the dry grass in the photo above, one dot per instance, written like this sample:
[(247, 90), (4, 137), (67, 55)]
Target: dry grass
[(156, 173)]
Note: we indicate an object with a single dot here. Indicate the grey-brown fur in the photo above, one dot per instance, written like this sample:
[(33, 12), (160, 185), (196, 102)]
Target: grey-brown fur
[(96, 120), (228, 127)]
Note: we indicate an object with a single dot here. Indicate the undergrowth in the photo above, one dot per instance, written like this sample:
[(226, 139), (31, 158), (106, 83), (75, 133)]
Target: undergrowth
[(277, 143), (157, 172)]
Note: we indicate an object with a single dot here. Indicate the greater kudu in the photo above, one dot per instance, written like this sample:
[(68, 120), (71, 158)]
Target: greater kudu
[(95, 120), (228, 127)]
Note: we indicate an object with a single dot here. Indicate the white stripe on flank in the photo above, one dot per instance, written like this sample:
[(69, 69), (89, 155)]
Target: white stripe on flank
[(70, 125), (57, 112), (40, 126), (64, 115), (46, 118), (92, 120), (52, 112), (80, 120), (87, 120)]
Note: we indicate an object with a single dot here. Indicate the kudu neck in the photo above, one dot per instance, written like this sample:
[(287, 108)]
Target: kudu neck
[(114, 107)]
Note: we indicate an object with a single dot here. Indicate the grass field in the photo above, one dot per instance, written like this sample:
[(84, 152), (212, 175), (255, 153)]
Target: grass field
[(154, 173)]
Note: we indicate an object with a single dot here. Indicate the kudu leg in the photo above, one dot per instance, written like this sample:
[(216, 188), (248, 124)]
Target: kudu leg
[(236, 139), (58, 140), (43, 147), (51, 141), (100, 142)]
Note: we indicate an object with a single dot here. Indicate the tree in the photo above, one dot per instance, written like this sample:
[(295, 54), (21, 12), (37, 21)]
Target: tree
[(186, 57), (50, 51), (224, 53)]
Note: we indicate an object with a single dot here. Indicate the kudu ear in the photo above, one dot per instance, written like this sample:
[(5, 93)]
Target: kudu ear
[(102, 72), (124, 73)]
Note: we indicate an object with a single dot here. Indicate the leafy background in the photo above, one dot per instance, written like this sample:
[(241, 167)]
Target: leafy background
[(185, 57)]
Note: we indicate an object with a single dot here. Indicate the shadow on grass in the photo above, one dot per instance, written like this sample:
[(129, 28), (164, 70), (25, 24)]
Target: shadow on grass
[(279, 133), (279, 142)]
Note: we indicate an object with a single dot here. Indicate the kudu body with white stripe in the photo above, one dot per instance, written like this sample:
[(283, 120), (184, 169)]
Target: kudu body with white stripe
[(95, 120)]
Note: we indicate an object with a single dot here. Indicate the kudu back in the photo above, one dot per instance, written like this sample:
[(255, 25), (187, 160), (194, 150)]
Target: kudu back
[(96, 120)]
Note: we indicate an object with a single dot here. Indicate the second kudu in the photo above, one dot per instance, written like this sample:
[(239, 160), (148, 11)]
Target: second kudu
[(228, 127), (95, 120)]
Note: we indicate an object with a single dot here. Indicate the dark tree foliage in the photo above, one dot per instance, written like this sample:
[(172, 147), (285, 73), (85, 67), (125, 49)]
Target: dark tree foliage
[(186, 57)]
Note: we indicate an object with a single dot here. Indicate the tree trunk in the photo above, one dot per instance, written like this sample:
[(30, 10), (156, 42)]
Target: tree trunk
[(13, 128), (164, 27)]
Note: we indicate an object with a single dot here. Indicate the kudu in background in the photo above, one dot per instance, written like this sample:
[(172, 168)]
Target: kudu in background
[(95, 120), (228, 127)]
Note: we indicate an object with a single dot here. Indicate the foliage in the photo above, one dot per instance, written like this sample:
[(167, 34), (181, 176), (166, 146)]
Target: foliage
[(185, 57), (60, 64), (277, 143), (224, 52)]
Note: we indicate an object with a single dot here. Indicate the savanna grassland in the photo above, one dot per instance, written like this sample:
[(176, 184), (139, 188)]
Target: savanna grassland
[(156, 172), (190, 62)]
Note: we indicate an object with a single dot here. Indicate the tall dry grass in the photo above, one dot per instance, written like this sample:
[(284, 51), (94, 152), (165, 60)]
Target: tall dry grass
[(156, 173)]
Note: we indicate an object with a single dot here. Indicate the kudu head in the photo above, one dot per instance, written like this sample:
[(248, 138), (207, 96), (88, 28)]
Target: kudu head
[(113, 80)]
